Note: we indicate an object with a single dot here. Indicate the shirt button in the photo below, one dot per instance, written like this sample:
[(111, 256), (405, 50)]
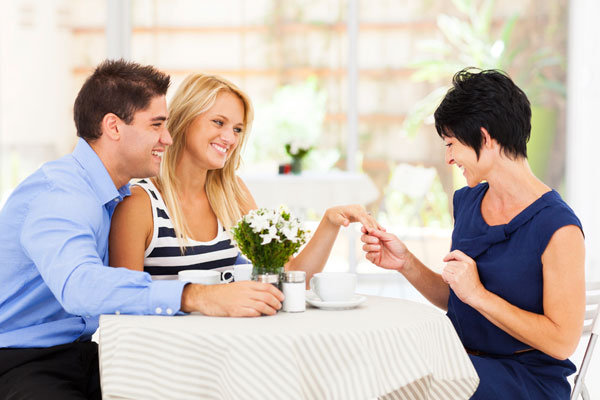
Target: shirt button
[(158, 310), (169, 311), (117, 312)]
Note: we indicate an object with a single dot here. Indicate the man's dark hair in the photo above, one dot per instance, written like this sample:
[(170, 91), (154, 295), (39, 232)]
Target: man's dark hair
[(119, 87), (487, 99)]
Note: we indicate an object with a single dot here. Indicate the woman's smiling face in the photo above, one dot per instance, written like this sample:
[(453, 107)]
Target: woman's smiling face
[(213, 135), (465, 158)]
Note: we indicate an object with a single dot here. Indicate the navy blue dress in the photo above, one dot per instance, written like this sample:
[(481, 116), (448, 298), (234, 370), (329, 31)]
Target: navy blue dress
[(509, 263)]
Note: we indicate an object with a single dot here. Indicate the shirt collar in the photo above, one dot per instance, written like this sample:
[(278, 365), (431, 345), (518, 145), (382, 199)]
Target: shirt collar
[(100, 179)]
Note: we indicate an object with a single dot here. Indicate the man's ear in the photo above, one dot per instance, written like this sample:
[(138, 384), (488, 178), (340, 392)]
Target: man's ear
[(110, 126), (487, 140)]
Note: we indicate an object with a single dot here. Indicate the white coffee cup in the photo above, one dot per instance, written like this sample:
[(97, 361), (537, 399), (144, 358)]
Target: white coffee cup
[(242, 272), (334, 286), (205, 277)]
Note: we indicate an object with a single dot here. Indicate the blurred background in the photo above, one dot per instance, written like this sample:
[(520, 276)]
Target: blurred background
[(354, 81)]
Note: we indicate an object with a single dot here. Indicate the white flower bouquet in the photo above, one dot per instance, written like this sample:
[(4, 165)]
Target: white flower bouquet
[(269, 238)]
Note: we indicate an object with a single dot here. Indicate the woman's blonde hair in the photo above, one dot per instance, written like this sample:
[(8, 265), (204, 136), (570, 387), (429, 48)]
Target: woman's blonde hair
[(196, 95)]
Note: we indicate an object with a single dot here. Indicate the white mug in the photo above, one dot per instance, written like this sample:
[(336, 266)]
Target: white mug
[(242, 272), (333, 286), (205, 277)]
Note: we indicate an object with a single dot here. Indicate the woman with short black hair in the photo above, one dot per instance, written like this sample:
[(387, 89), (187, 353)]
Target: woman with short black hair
[(513, 284)]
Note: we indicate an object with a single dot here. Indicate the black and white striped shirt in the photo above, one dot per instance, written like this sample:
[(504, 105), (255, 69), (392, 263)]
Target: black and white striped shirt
[(163, 258)]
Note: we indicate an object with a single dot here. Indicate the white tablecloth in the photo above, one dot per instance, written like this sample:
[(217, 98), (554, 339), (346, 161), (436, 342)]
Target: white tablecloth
[(388, 348), (311, 190)]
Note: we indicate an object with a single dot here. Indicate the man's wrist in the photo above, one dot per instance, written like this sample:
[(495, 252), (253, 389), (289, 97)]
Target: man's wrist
[(192, 297), (186, 298)]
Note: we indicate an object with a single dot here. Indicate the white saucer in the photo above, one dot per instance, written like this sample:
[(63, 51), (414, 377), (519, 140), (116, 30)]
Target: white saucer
[(315, 301)]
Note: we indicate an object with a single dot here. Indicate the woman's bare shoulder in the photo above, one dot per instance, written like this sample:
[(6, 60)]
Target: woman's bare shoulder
[(138, 198), (136, 207)]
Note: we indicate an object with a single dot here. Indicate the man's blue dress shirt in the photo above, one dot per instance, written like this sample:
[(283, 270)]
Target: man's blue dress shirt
[(54, 278)]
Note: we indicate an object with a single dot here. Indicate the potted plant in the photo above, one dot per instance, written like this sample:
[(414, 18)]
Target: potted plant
[(295, 112), (297, 150), (269, 238)]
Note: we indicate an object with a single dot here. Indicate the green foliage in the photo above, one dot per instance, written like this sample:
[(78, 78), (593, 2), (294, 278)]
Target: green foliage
[(299, 153), (470, 40), (296, 112), (268, 238)]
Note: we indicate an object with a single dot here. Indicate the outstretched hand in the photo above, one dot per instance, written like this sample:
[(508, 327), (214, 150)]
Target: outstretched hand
[(385, 249), (238, 299), (345, 215), (462, 276)]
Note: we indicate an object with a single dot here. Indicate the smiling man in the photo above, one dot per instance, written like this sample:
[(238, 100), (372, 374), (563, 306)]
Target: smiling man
[(54, 242), (54, 239)]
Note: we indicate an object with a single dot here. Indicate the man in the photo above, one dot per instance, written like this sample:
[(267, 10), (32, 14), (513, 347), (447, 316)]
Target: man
[(54, 242)]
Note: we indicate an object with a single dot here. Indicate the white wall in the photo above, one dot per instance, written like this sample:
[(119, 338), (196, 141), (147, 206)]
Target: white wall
[(583, 107), (35, 84)]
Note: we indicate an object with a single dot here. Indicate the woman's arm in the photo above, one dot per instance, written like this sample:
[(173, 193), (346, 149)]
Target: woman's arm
[(313, 257), (557, 331), (131, 231), (387, 251), (130, 234)]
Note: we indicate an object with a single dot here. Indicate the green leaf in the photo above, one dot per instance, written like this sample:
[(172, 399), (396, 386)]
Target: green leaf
[(483, 19), (452, 28), (422, 110), (508, 27), (271, 256)]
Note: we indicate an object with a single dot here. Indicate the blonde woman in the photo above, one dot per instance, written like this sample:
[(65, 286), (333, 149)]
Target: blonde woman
[(179, 219)]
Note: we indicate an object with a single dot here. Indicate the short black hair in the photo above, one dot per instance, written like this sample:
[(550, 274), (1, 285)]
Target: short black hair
[(119, 87), (488, 99)]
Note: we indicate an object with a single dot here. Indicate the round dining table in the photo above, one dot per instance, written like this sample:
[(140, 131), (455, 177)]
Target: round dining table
[(384, 348)]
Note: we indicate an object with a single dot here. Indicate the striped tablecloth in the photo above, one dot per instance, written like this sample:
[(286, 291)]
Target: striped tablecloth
[(386, 348)]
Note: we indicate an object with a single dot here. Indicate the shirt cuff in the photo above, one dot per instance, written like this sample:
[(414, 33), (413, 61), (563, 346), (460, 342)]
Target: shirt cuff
[(165, 297)]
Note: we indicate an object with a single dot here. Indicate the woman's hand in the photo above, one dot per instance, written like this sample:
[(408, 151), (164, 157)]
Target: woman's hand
[(385, 250), (345, 215), (462, 276), (238, 299)]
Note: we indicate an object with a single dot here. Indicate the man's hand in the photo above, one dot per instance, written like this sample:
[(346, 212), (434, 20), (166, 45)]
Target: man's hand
[(462, 276), (385, 250), (238, 299)]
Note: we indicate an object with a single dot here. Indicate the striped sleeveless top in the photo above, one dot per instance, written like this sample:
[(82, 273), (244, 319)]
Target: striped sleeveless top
[(163, 258)]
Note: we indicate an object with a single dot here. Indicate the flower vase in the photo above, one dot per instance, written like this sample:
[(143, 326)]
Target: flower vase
[(296, 165)]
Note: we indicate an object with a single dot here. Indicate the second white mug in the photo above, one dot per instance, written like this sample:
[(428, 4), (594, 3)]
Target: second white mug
[(334, 286)]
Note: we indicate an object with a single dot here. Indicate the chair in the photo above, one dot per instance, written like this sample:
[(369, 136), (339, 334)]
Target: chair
[(591, 326)]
